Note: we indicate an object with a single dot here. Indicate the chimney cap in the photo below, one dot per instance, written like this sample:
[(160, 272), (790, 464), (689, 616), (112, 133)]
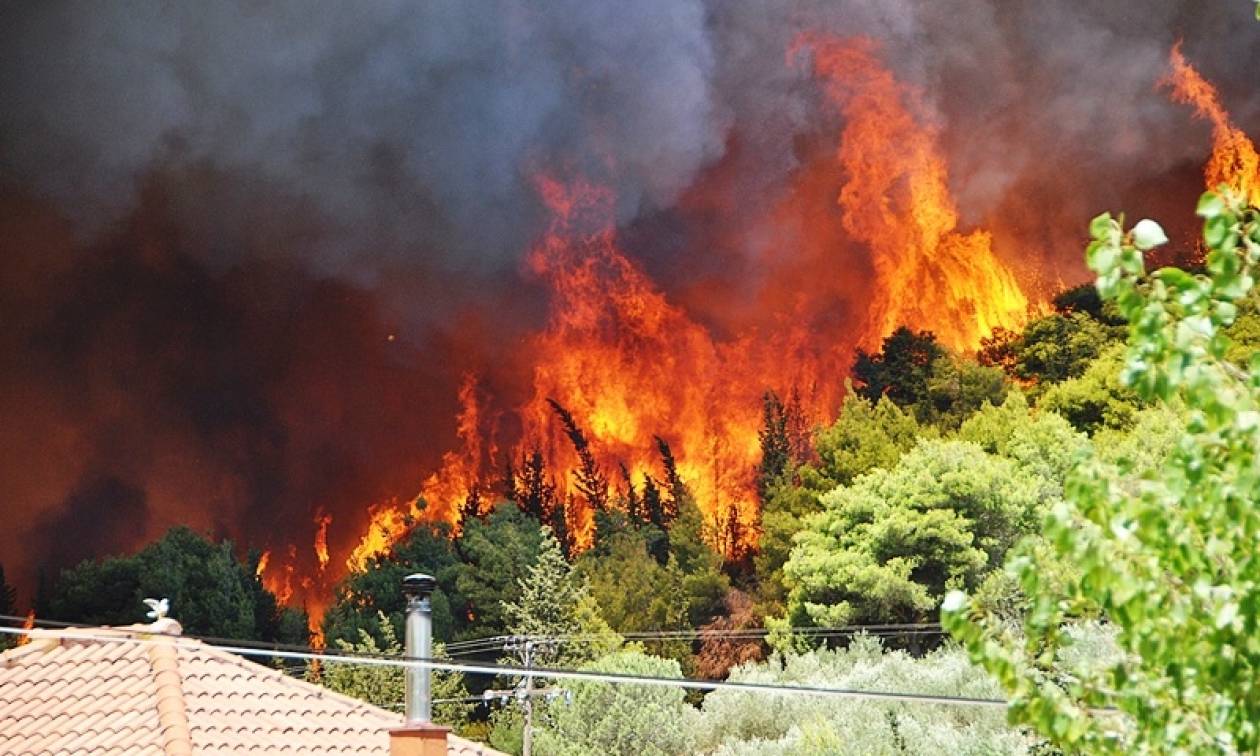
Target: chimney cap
[(418, 585)]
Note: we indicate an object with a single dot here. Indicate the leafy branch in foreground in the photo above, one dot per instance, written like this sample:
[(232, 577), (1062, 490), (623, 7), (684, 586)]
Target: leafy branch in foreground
[(1169, 558)]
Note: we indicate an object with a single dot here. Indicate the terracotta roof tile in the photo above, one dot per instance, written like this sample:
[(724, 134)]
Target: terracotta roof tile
[(94, 691)]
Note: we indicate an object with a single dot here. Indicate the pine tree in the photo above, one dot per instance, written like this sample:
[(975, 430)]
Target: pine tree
[(800, 433), (558, 520), (535, 493), (549, 598), (776, 448), (591, 481), (653, 502), (634, 505), (673, 481), (508, 484), (471, 506)]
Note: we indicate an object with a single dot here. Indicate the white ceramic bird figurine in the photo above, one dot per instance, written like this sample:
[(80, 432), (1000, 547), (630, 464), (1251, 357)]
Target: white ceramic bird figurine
[(159, 606)]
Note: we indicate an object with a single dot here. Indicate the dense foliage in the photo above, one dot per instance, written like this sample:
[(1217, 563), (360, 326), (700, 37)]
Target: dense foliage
[(1166, 553), (211, 592)]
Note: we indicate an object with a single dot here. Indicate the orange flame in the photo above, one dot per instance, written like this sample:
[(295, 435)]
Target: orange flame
[(896, 199), (1234, 160), (630, 364), (322, 521), (460, 471), (282, 585), (387, 523), (27, 626), (263, 560)]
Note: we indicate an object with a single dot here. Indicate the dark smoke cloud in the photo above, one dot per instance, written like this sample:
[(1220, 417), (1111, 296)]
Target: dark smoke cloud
[(409, 128), (100, 517), (214, 215), (236, 401)]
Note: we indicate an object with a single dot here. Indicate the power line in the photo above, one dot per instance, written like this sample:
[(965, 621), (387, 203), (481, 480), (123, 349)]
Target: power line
[(922, 628), (558, 674), (488, 643)]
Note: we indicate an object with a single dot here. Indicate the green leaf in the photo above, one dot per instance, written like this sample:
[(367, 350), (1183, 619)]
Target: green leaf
[(1215, 229), (1100, 226), (1210, 205)]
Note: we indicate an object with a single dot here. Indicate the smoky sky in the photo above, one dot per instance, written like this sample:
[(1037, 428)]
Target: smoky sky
[(411, 128), (249, 249)]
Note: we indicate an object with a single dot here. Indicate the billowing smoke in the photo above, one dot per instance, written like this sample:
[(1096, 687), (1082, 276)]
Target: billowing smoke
[(249, 250), (402, 130)]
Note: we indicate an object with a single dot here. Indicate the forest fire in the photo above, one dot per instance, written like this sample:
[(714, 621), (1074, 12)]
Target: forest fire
[(630, 369), (577, 259), (636, 374)]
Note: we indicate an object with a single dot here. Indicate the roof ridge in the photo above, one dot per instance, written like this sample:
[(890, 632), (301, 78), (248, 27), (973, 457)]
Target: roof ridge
[(171, 707)]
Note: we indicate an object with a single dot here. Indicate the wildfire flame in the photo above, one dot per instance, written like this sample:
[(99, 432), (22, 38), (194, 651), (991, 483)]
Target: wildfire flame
[(459, 472), (263, 561), (1234, 160), (896, 199), (388, 522), (322, 521), (630, 365), (27, 626)]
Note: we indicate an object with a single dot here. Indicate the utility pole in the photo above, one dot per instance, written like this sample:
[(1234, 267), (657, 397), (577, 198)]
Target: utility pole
[(525, 692)]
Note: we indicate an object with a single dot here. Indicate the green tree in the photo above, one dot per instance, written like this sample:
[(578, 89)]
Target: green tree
[(900, 370), (864, 436), (704, 582), (1043, 443), (1168, 556), (363, 597), (886, 548), (606, 718), (385, 686), (636, 593), (1050, 349), (1097, 399), (495, 555), (210, 591), (553, 600), (776, 447), (956, 388)]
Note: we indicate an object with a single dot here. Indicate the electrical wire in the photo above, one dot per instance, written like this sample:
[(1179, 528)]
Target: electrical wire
[(495, 642), (924, 628), (140, 636)]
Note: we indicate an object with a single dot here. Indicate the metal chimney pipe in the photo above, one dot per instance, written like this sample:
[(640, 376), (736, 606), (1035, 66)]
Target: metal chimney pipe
[(419, 700)]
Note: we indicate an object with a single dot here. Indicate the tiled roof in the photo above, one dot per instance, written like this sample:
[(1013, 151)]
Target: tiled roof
[(133, 691)]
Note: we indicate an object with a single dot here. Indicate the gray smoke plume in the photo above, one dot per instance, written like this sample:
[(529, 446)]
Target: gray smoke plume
[(399, 128)]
